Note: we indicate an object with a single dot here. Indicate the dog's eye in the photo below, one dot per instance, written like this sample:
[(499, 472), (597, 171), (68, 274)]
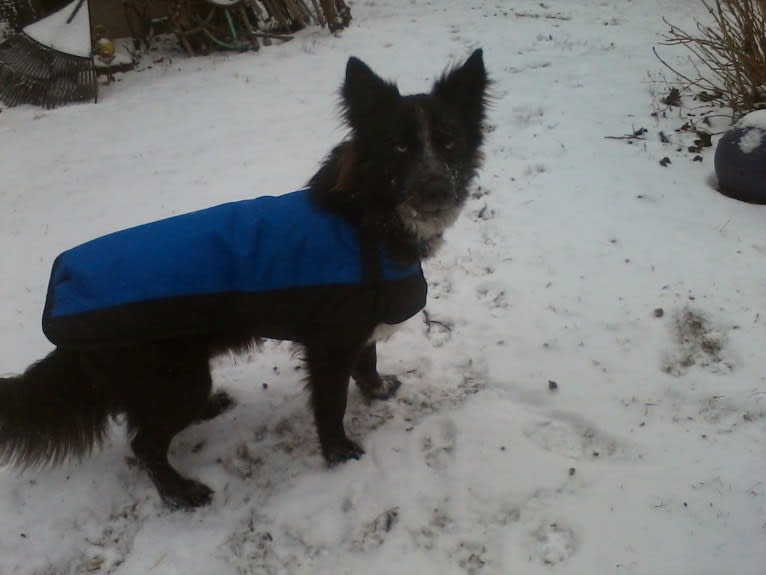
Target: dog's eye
[(401, 148), (448, 144)]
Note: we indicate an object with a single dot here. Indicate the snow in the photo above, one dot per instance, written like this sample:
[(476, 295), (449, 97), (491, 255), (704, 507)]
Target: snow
[(753, 127), (755, 119), (646, 457), (55, 31), (751, 139)]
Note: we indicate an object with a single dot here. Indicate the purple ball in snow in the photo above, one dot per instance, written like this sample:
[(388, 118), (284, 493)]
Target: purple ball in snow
[(740, 159)]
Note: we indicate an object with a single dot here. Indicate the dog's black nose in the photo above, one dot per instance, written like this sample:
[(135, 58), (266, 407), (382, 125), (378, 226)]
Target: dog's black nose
[(435, 191)]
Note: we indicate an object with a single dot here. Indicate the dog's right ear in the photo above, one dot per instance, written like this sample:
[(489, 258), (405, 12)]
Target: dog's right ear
[(366, 95)]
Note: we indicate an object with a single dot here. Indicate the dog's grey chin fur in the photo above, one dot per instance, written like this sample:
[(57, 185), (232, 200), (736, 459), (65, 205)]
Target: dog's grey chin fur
[(428, 227)]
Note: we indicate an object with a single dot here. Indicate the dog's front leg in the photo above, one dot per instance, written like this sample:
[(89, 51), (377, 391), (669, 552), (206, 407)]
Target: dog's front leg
[(329, 372), (370, 382)]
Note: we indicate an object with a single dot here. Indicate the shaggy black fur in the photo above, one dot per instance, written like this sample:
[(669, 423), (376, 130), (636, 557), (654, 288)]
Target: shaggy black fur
[(400, 179)]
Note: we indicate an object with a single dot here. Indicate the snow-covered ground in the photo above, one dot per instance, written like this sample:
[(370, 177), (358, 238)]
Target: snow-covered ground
[(646, 456)]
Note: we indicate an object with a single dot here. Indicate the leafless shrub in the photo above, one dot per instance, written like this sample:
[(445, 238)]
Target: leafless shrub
[(729, 55)]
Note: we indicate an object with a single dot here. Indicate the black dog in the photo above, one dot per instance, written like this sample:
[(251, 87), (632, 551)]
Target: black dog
[(389, 192)]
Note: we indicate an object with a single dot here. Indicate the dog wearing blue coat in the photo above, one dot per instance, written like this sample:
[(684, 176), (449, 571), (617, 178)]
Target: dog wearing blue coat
[(137, 315)]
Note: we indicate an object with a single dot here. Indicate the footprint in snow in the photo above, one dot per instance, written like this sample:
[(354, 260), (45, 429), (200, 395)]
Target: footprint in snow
[(470, 556), (374, 533), (552, 543), (574, 438), (493, 296), (439, 445), (524, 116)]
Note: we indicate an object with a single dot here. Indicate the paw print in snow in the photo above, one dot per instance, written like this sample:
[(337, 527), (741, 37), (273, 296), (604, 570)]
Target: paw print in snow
[(552, 543), (439, 447)]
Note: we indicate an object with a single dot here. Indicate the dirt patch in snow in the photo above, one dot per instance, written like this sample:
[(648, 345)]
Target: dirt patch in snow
[(700, 341)]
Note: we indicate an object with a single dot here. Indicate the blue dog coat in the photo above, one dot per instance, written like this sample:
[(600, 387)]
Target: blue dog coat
[(272, 267)]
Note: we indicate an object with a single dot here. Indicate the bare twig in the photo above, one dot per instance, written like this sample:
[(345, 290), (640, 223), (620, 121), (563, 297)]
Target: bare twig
[(432, 322), (636, 135)]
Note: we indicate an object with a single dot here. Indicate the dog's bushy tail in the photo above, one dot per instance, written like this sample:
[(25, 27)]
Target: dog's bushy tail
[(51, 412)]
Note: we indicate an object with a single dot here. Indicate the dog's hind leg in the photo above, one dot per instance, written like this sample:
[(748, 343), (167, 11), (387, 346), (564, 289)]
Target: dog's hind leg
[(150, 446), (329, 372), (370, 382), (171, 392)]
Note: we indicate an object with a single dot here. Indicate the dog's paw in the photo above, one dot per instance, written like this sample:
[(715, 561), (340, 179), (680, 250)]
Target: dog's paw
[(341, 451), (188, 495), (382, 387)]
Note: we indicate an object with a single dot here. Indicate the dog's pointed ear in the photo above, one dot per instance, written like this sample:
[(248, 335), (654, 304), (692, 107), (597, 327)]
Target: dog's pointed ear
[(365, 94), (465, 86)]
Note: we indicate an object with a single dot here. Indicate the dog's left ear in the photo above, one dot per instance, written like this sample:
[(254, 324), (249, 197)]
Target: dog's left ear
[(465, 87)]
